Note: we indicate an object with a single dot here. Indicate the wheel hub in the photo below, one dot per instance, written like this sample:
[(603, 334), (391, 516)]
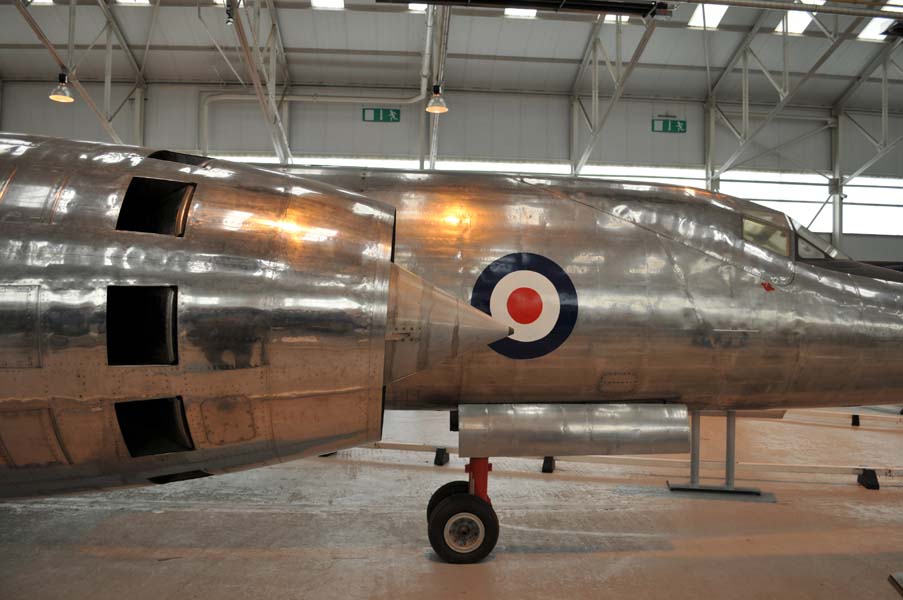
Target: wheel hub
[(464, 532)]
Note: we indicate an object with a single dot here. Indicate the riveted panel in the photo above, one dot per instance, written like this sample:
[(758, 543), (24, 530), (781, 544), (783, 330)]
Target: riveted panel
[(30, 439), (19, 340), (228, 420)]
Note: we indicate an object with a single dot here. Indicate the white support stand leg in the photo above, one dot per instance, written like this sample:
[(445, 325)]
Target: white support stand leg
[(730, 460)]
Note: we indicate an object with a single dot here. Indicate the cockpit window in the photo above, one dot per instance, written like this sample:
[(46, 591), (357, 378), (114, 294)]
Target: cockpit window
[(770, 237), (810, 246), (807, 251)]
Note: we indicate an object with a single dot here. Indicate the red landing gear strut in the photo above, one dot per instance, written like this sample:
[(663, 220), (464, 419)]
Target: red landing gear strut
[(479, 469), (462, 525)]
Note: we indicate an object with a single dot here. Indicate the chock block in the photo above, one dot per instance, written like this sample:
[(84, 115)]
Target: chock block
[(868, 479), (548, 464), (441, 458)]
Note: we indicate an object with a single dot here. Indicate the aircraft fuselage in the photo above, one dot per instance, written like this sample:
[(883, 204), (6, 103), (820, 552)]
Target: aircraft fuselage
[(672, 302)]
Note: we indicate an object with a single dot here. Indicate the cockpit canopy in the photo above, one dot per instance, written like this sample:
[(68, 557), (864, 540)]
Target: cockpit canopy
[(782, 235)]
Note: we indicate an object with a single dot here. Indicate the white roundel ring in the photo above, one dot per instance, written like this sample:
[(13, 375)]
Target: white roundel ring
[(534, 296), (531, 280)]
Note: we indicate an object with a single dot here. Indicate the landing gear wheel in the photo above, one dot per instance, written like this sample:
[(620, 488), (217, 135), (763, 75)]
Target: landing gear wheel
[(463, 529), (449, 489)]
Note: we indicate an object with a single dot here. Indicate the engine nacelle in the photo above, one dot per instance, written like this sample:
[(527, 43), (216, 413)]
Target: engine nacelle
[(166, 316)]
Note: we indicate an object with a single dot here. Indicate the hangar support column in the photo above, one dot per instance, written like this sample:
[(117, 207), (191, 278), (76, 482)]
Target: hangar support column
[(712, 179), (835, 186)]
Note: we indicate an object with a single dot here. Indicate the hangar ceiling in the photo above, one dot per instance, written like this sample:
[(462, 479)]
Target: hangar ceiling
[(379, 45)]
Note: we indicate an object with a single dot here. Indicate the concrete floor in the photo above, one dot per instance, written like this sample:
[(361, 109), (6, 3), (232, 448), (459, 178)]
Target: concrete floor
[(353, 526)]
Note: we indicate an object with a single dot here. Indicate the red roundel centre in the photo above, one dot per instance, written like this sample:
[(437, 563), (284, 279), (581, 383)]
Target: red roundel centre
[(524, 305)]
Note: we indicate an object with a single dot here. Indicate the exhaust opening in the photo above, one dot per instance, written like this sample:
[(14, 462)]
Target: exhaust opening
[(141, 325), (155, 426), (155, 206)]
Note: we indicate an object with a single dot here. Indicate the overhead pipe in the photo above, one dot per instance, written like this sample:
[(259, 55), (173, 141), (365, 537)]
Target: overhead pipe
[(438, 79), (424, 86)]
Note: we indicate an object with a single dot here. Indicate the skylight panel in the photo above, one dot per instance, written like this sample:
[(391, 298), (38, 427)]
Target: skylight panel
[(520, 13), (713, 15), (878, 26), (328, 4), (797, 20), (417, 7)]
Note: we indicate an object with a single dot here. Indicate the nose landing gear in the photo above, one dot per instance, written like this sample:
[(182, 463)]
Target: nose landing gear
[(462, 525)]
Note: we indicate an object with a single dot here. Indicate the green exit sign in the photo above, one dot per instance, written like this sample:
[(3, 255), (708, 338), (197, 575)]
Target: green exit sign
[(669, 126), (381, 115)]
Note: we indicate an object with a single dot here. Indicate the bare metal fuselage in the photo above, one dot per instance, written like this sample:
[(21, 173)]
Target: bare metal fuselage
[(673, 303), (279, 298)]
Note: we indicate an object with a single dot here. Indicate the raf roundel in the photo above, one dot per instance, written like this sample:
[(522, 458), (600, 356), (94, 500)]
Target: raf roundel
[(532, 295)]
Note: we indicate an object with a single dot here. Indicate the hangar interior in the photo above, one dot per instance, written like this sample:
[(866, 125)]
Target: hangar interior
[(809, 122), (798, 111)]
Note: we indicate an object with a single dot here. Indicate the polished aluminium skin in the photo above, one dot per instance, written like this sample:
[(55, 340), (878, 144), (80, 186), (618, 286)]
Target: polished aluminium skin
[(572, 429), (281, 296), (284, 291), (675, 305), (427, 326)]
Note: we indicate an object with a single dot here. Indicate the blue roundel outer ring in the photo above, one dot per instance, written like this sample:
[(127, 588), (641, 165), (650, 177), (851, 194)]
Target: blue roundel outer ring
[(567, 296)]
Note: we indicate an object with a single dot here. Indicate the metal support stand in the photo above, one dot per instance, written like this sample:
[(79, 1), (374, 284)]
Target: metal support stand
[(730, 461), (896, 580)]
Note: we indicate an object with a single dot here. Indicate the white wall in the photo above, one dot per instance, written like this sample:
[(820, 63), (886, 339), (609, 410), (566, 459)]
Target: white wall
[(26, 109), (480, 126)]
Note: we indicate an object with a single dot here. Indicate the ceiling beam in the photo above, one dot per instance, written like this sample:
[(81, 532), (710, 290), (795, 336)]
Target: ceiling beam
[(849, 8), (587, 52), (269, 109), (458, 56), (854, 10), (870, 162), (782, 104), (73, 80), (740, 49), (877, 60), (616, 96), (123, 43)]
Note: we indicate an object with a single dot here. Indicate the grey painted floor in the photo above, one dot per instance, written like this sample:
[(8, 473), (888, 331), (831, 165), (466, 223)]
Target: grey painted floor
[(353, 526)]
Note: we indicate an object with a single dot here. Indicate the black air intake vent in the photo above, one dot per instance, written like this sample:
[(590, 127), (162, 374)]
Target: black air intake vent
[(141, 325), (156, 426), (178, 157), (155, 206)]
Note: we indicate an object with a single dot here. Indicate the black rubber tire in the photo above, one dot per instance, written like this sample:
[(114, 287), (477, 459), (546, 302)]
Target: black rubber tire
[(449, 489), (448, 509)]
